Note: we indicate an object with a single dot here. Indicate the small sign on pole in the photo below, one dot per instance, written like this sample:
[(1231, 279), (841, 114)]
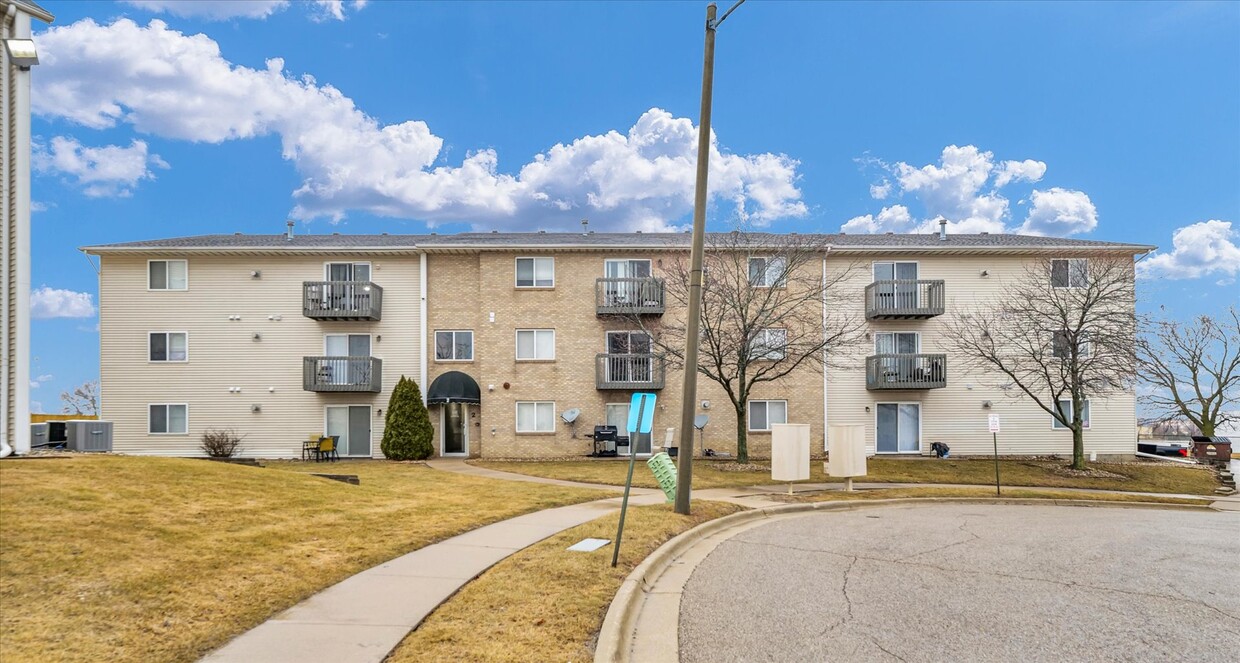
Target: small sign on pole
[(641, 422), (994, 436)]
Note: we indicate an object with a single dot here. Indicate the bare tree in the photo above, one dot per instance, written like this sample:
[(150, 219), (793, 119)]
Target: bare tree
[(1193, 368), (84, 399), (1061, 332), (762, 314)]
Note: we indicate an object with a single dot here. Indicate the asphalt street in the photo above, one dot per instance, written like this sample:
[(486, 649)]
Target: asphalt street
[(971, 583)]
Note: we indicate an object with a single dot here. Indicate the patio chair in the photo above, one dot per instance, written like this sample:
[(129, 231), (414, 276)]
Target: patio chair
[(310, 446), (327, 449)]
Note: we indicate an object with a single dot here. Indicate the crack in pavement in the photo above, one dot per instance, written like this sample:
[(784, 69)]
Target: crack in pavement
[(964, 524), (884, 649), (848, 615)]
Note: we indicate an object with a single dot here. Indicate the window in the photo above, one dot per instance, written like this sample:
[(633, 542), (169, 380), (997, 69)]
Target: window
[(1070, 273), (535, 344), (764, 413), (768, 344), (454, 346), (535, 417), (347, 271), (617, 414), (1065, 410), (535, 272), (767, 272), (895, 286), (1061, 345), (167, 274), (168, 419), (168, 346)]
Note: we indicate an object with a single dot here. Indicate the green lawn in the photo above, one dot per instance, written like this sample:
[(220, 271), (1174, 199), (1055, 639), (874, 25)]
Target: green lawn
[(1151, 477), (113, 558)]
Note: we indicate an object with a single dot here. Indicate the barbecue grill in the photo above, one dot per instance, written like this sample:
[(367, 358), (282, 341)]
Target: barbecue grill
[(604, 441)]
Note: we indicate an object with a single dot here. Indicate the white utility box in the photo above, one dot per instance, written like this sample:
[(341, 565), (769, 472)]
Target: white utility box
[(789, 452), (846, 457)]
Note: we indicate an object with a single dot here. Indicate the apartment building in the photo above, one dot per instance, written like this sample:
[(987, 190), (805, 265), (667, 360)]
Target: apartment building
[(280, 336)]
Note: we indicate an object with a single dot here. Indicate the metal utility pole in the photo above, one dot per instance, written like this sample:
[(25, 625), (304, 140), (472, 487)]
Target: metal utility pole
[(688, 397)]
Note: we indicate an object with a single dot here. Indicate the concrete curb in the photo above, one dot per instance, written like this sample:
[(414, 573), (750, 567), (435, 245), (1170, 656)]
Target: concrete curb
[(616, 635)]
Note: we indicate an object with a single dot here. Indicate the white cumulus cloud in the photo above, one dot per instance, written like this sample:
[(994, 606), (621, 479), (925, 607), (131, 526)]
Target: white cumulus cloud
[(38, 382), (178, 86), (1200, 249), (223, 10), (48, 302), (891, 219), (106, 171), (964, 188), (1060, 212)]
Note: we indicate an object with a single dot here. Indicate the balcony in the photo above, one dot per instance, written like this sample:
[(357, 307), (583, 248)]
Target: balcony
[(905, 371), (903, 300), (342, 374), (342, 300), (629, 372), (629, 296)]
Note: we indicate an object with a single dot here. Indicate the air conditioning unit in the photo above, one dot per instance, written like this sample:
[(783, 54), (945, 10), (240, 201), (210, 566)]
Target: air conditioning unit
[(88, 435)]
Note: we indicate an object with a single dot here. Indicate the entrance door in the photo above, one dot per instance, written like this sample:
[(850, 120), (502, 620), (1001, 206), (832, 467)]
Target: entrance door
[(630, 359), (351, 423), (454, 430), (625, 293), (899, 428)]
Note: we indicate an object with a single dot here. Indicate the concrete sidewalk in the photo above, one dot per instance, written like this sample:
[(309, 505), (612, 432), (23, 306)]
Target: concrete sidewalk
[(362, 618)]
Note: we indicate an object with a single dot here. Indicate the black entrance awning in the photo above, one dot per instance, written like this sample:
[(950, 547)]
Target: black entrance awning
[(454, 387)]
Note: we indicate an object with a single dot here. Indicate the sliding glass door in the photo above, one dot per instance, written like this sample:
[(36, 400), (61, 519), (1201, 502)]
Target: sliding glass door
[(898, 428)]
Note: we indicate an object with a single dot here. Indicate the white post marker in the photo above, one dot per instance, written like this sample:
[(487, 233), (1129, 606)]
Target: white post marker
[(994, 436)]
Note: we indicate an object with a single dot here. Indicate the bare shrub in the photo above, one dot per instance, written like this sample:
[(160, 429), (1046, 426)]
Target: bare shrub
[(220, 442)]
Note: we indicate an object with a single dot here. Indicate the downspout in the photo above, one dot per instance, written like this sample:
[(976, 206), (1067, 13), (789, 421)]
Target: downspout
[(422, 324), (825, 441), (20, 150), (9, 176)]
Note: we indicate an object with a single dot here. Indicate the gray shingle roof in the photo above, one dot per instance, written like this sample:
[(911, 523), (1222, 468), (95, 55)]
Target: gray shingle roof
[(482, 241)]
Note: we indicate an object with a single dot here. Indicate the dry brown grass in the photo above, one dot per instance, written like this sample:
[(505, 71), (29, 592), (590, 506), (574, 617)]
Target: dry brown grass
[(979, 491), (110, 558), (1153, 477), (545, 603)]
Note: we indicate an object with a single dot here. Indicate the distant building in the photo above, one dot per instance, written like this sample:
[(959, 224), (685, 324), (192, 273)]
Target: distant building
[(16, 56)]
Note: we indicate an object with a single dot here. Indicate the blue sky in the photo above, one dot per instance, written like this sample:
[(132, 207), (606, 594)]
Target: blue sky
[(1107, 121)]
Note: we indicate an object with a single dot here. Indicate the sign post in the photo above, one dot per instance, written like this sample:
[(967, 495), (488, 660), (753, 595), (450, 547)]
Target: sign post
[(994, 434), (641, 422)]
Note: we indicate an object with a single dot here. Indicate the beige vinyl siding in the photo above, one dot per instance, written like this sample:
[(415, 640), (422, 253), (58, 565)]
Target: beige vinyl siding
[(224, 354), (955, 414)]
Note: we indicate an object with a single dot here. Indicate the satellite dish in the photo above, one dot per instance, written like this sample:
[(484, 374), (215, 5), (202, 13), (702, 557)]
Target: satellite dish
[(699, 422), (569, 416)]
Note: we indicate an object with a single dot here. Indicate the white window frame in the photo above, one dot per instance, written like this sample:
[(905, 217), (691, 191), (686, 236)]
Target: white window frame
[(874, 268), (767, 401), (1084, 347), (167, 344), (1089, 412), (1069, 285), (517, 417), (534, 286), (620, 429), (893, 333), (166, 288), (921, 424), (766, 280), (780, 352), (327, 268), (454, 332), (517, 344), (370, 441), (346, 335), (166, 418)]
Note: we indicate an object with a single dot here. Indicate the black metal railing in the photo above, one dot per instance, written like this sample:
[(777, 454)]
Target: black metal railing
[(903, 299), (630, 371), (342, 300), (342, 374), (906, 371), (632, 296)]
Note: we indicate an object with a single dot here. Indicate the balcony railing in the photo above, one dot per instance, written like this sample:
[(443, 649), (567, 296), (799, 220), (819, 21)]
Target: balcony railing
[(342, 300), (630, 371), (906, 371), (629, 296), (342, 374), (903, 299)]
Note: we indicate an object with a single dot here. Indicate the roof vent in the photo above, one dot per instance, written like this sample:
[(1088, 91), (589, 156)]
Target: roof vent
[(384, 234), (590, 233), (889, 233), (542, 232), (433, 234), (638, 232), (942, 229), (236, 234), (289, 234), (334, 234), (984, 233), (494, 232), (585, 226)]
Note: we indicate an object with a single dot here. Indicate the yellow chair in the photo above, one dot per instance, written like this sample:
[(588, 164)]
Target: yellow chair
[(310, 446), (327, 449)]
